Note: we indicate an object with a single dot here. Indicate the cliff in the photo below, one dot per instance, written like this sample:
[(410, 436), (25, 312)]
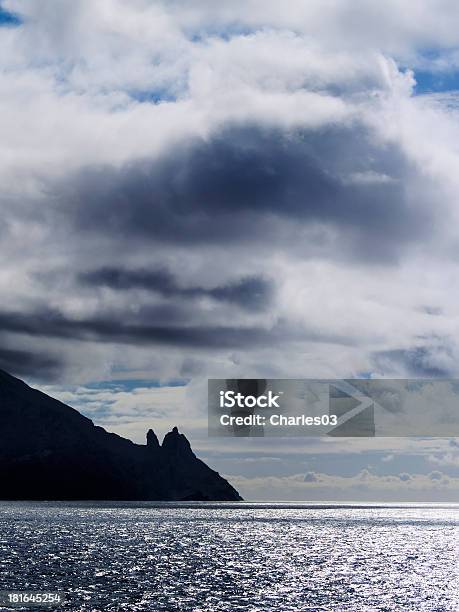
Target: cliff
[(51, 451)]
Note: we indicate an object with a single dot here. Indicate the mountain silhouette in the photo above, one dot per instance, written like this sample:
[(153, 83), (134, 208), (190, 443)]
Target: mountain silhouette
[(50, 451)]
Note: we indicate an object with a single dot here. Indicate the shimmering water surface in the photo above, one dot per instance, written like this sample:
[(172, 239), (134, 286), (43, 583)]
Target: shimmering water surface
[(233, 557)]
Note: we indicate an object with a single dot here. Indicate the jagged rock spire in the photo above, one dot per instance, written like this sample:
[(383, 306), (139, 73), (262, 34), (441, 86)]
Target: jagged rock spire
[(152, 439), (175, 444)]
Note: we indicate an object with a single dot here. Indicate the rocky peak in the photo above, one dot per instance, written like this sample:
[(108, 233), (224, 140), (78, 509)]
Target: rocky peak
[(175, 444), (152, 440)]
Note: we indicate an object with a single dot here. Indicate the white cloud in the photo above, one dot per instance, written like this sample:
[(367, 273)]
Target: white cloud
[(446, 459), (364, 486), (130, 412)]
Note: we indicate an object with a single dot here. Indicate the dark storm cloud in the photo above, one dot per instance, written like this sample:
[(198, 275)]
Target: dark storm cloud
[(242, 187), (28, 364), (240, 183), (52, 324), (139, 332), (252, 293)]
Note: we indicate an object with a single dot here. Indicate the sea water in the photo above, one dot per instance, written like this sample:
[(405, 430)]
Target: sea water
[(233, 556)]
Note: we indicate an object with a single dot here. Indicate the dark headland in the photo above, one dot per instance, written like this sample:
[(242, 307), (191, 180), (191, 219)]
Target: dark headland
[(49, 451)]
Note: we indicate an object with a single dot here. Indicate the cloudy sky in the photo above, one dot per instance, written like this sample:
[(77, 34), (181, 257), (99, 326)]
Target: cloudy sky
[(233, 189)]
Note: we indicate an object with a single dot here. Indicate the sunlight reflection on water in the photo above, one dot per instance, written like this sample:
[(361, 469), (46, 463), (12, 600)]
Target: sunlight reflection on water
[(230, 557)]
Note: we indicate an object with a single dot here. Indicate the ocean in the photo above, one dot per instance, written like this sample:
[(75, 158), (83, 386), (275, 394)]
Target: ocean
[(210, 557)]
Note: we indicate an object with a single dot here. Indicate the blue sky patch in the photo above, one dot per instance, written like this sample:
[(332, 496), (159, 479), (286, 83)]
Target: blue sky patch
[(8, 19), (130, 384), (432, 82)]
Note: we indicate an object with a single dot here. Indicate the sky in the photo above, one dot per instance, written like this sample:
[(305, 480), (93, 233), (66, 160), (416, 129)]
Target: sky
[(233, 189)]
